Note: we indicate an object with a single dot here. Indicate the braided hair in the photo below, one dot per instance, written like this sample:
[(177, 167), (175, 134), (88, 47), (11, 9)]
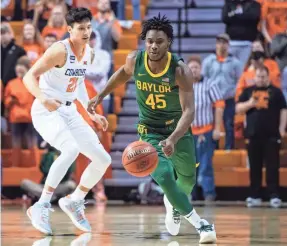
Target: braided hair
[(160, 24)]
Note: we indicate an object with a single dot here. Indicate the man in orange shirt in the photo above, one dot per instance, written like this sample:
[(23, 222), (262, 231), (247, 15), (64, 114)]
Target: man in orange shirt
[(56, 23), (18, 102), (49, 39)]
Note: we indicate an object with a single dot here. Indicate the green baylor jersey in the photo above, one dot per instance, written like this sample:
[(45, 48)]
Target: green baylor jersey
[(157, 96)]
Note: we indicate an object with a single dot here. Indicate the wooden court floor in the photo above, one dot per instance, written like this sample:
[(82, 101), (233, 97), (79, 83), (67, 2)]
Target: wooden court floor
[(125, 225)]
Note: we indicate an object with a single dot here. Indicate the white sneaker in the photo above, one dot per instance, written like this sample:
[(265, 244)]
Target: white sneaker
[(253, 202), (82, 240), (172, 218), (75, 210), (39, 216), (43, 242), (206, 232), (275, 203)]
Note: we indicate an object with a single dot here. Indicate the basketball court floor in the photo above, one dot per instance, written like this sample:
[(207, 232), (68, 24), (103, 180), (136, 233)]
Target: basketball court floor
[(126, 225)]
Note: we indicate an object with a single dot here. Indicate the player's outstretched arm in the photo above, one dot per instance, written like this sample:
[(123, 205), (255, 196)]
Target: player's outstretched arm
[(54, 56), (184, 80), (120, 77)]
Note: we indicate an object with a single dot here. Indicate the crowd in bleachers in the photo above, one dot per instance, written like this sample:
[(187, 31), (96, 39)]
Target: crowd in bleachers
[(256, 36)]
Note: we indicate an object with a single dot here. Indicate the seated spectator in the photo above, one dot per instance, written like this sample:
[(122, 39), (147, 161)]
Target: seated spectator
[(206, 129), (49, 39), (18, 102), (266, 115), (10, 52), (258, 59), (224, 70), (121, 12), (274, 16), (98, 71), (279, 51), (241, 18), (32, 42), (56, 24), (107, 25), (66, 186)]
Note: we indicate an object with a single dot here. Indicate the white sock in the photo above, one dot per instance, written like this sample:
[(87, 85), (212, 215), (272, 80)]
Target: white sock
[(193, 218), (46, 196), (78, 194)]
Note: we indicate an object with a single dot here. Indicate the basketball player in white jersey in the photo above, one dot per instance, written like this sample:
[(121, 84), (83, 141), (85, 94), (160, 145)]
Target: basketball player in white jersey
[(62, 71)]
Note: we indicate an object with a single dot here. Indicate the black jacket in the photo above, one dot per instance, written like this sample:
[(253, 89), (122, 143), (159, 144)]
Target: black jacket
[(241, 19), (9, 57)]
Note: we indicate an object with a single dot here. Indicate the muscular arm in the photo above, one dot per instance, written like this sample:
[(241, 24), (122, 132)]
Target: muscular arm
[(186, 95), (54, 56)]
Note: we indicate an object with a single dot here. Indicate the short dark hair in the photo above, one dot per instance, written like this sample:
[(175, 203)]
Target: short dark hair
[(93, 35), (160, 24), (78, 15), (51, 35), (194, 58), (263, 68), (24, 61)]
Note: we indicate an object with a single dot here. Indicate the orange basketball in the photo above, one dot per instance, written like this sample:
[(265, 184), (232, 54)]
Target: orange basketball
[(140, 159)]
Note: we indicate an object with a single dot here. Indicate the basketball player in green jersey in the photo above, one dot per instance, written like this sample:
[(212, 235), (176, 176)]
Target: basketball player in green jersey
[(164, 92)]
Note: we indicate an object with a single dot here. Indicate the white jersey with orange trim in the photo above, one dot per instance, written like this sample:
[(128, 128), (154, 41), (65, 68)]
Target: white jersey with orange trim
[(61, 83)]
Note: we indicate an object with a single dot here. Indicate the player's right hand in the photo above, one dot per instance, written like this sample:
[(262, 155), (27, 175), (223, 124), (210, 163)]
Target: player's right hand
[(93, 103), (51, 104)]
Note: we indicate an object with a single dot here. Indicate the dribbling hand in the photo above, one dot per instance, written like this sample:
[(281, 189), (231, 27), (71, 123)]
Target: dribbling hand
[(101, 120), (167, 147), (51, 104), (93, 103)]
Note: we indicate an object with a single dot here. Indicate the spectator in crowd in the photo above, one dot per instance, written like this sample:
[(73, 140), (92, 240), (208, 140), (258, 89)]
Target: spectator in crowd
[(97, 72), (241, 18), (66, 186), (56, 24), (49, 39), (258, 59), (225, 70), (266, 114), (40, 11), (10, 52), (121, 13), (18, 102), (32, 42), (274, 16), (279, 51), (107, 25), (206, 125)]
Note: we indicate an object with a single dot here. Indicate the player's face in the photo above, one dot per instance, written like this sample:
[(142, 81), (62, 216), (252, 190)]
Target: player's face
[(81, 32), (195, 69), (261, 78), (157, 44)]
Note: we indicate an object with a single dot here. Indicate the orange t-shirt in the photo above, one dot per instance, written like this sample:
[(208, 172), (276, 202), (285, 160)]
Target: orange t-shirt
[(99, 110), (19, 112), (58, 31), (247, 78), (275, 14), (34, 51)]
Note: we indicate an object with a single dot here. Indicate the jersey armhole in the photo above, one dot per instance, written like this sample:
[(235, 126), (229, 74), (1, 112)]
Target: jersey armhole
[(138, 60), (66, 56)]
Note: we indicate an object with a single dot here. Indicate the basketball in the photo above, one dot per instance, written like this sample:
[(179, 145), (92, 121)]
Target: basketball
[(140, 159)]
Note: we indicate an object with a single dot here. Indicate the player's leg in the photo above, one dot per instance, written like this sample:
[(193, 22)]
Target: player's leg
[(52, 127), (90, 146), (164, 176), (184, 162)]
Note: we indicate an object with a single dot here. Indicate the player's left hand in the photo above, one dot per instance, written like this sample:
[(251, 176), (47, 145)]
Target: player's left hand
[(167, 147), (100, 120)]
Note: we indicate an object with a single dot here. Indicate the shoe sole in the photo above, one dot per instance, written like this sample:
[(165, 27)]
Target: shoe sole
[(35, 225), (166, 219), (67, 212), (210, 239)]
